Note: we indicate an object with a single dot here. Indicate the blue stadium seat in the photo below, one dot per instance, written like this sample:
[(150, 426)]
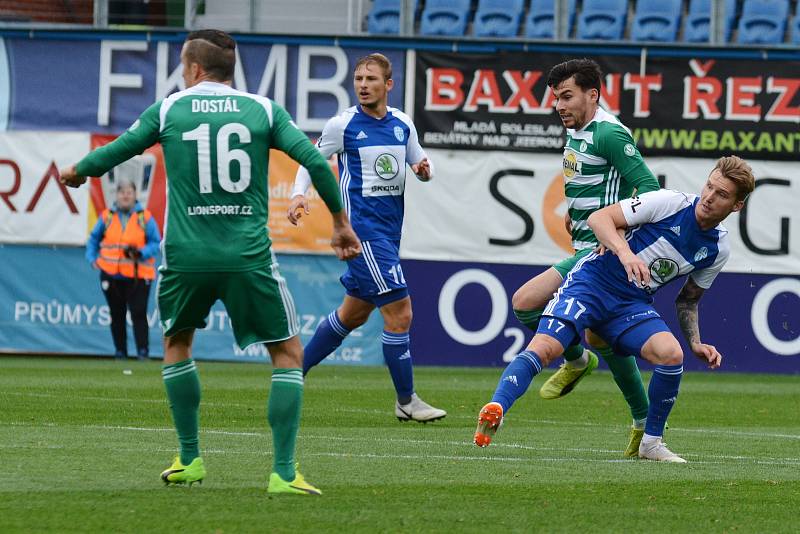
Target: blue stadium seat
[(697, 27), (763, 21), (541, 16), (384, 18), (497, 18), (656, 20), (445, 17), (602, 19), (796, 26)]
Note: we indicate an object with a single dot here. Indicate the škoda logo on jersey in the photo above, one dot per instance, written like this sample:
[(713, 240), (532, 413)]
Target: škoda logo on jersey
[(663, 270), (386, 166), (571, 165)]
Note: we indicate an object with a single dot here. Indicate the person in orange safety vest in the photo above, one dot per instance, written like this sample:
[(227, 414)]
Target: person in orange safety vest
[(123, 246)]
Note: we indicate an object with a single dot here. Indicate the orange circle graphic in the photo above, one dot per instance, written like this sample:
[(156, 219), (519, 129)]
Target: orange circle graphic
[(553, 221)]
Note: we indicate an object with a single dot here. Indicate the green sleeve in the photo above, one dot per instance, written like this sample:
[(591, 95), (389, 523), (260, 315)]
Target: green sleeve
[(142, 134), (619, 149), (288, 138)]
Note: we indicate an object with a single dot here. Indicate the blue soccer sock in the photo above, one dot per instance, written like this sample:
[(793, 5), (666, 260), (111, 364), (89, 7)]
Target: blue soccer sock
[(329, 335), (663, 391), (516, 379), (397, 355)]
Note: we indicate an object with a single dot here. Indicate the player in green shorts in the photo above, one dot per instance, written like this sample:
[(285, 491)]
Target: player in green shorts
[(601, 166), (216, 143)]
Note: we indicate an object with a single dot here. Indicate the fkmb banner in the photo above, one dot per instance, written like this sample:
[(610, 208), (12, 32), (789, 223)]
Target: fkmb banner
[(508, 207), (679, 106), (463, 316), (51, 301), (120, 78)]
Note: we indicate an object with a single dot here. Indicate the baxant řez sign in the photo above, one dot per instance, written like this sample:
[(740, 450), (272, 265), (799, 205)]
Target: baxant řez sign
[(673, 106)]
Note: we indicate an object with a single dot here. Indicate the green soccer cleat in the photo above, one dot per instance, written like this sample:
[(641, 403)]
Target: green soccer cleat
[(633, 443), (298, 486), (566, 378), (178, 473)]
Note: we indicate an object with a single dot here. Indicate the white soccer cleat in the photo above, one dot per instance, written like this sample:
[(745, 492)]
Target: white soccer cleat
[(417, 410), (656, 450)]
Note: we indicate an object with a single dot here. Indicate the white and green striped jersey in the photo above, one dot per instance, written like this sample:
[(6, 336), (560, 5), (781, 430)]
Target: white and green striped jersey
[(216, 143), (601, 167)]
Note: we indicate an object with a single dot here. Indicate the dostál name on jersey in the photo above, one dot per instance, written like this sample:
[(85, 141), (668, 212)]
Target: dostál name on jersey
[(221, 105), (224, 209)]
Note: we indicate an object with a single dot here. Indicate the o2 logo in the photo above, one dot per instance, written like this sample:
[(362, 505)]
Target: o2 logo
[(497, 321), (760, 321)]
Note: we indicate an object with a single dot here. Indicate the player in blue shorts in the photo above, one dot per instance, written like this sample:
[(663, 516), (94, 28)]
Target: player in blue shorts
[(669, 234), (373, 143)]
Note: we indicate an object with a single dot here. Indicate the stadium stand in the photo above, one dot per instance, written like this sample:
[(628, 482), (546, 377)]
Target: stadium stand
[(498, 18), (384, 17), (697, 27), (796, 26), (49, 11), (763, 21), (445, 17), (602, 19), (656, 20), (540, 22)]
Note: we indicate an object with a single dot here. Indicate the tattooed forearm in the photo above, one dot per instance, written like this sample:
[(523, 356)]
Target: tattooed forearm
[(686, 305), (687, 318)]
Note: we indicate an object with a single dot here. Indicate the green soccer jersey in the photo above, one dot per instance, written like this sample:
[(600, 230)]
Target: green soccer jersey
[(601, 167), (216, 143)]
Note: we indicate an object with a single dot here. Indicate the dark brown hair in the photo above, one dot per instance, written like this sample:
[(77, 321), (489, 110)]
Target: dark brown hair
[(214, 50), (587, 74)]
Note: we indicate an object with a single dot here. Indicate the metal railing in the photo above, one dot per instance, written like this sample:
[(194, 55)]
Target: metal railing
[(293, 17)]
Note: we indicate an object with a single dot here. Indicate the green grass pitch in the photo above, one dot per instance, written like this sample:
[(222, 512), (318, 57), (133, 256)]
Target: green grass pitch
[(82, 444)]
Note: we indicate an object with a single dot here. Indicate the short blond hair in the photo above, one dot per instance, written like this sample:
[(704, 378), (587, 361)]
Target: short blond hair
[(380, 60), (739, 172)]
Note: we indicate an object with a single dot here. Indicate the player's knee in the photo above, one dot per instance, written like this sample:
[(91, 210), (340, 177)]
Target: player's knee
[(520, 300), (595, 341), (352, 321), (546, 348), (399, 321), (671, 359), (669, 354)]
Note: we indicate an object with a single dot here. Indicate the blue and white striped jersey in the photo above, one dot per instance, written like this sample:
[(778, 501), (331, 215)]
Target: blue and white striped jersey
[(372, 155), (664, 234)]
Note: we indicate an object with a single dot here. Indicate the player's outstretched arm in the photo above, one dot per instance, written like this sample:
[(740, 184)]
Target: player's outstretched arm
[(142, 134), (605, 223), (70, 177), (686, 304)]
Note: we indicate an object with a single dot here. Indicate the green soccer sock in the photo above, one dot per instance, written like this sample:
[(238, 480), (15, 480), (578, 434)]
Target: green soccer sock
[(529, 318), (573, 352), (283, 413), (183, 391), (628, 379)]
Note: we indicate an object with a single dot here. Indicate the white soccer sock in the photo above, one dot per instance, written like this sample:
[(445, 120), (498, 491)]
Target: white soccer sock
[(581, 362), (647, 438)]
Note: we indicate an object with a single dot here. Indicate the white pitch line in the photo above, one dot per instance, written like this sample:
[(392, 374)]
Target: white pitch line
[(382, 412), (757, 460), (518, 420), (121, 399), (509, 458)]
